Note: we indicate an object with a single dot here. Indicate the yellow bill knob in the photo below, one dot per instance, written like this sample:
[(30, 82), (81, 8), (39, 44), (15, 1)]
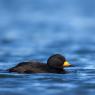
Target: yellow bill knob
[(66, 64)]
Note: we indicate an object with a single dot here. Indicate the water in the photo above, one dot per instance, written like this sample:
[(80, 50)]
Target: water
[(36, 29)]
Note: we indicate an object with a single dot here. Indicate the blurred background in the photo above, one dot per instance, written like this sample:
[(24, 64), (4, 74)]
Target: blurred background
[(36, 29)]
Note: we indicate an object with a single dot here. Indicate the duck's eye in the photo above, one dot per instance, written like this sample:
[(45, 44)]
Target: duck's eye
[(66, 64)]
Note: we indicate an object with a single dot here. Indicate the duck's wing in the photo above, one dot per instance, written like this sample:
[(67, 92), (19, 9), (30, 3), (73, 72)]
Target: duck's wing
[(27, 67)]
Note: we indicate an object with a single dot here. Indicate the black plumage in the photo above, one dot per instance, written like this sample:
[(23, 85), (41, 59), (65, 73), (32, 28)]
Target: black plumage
[(55, 64)]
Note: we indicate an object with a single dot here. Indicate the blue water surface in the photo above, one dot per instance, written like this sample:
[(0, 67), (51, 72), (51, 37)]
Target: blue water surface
[(36, 29)]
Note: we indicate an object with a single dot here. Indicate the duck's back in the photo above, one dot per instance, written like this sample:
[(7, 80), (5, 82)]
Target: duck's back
[(29, 67)]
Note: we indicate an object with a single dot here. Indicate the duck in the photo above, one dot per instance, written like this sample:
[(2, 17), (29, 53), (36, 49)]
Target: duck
[(55, 64)]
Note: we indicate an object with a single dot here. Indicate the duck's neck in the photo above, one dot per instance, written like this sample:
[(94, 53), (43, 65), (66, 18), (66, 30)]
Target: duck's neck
[(58, 70)]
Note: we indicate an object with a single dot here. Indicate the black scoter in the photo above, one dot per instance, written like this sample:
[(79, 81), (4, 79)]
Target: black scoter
[(55, 64)]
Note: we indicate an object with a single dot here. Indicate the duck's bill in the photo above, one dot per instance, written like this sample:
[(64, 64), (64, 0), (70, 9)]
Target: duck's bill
[(66, 64)]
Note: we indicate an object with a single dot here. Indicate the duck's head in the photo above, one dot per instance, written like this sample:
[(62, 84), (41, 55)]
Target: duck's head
[(58, 61)]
